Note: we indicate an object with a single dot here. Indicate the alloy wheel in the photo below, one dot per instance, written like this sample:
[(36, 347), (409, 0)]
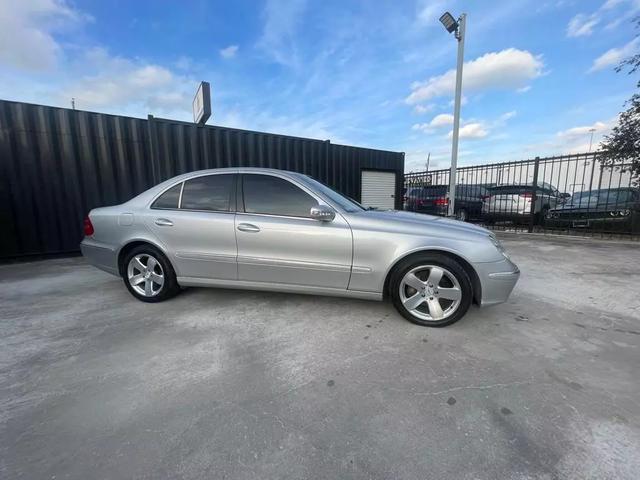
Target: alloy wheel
[(430, 292), (145, 275)]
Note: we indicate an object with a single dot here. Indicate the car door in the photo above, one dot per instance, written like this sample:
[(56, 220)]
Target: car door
[(279, 243), (194, 220)]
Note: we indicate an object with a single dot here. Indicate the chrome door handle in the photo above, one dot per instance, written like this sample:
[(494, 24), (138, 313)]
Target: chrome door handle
[(163, 222), (248, 227)]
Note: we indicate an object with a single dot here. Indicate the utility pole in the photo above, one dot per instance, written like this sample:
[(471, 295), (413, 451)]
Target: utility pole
[(73, 103), (427, 164)]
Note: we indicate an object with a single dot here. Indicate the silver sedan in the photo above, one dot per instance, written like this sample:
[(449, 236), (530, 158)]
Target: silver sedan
[(264, 229)]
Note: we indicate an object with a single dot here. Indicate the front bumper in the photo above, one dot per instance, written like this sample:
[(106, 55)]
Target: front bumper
[(497, 280)]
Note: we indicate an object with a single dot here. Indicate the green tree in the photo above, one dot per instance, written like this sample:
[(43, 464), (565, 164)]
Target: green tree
[(621, 148)]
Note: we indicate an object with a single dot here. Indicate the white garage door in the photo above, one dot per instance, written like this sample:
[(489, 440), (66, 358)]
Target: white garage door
[(378, 189)]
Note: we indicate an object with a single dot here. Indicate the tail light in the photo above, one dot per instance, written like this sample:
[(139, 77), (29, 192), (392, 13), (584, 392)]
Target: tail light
[(484, 198), (88, 226), (441, 201), (527, 195)]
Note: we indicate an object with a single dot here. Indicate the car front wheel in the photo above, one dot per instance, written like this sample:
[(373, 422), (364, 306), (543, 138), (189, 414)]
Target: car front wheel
[(148, 275), (431, 290)]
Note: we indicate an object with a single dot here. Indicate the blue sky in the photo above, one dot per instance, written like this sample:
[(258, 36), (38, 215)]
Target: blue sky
[(538, 74)]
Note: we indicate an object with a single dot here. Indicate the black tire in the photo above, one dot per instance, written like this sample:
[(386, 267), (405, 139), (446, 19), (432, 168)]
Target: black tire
[(438, 260), (541, 216), (170, 286)]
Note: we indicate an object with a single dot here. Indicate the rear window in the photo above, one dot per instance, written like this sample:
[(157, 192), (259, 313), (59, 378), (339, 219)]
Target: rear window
[(433, 191), (168, 199)]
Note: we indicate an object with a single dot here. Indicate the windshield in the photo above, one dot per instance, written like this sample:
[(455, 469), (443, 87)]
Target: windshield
[(345, 203)]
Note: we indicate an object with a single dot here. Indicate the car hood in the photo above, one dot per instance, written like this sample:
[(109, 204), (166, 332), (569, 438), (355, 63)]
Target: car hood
[(412, 221)]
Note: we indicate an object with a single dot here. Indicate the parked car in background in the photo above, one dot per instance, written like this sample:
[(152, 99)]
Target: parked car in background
[(615, 209), (434, 200), (513, 202), (263, 229)]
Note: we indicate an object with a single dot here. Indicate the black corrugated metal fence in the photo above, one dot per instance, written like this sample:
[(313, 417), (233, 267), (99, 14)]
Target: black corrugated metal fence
[(56, 164)]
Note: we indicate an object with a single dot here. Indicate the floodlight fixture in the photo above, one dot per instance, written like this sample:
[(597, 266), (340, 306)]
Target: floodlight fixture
[(449, 22)]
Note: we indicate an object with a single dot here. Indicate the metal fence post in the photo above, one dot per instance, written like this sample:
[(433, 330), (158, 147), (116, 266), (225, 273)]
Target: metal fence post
[(534, 195), (153, 149)]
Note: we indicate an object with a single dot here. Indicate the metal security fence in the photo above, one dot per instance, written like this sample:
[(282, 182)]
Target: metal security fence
[(56, 164), (573, 194)]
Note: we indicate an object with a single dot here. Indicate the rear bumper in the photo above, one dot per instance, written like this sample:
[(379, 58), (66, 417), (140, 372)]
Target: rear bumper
[(100, 255), (497, 280)]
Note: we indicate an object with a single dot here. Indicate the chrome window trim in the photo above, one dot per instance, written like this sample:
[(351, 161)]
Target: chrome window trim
[(276, 216)]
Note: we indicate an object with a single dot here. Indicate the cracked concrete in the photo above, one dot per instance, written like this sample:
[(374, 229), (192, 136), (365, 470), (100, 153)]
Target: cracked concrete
[(230, 384)]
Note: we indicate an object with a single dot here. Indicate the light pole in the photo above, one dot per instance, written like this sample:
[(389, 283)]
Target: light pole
[(458, 28), (591, 139)]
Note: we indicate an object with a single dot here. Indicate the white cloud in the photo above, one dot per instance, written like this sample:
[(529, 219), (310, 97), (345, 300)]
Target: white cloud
[(439, 121), (507, 69), (506, 116), (229, 52), (611, 12), (429, 12), (472, 131), (572, 133), (442, 120), (524, 89), (119, 84), (281, 21), (27, 28), (582, 25), (614, 56), (422, 109)]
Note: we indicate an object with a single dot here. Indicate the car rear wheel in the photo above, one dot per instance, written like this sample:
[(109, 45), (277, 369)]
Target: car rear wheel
[(431, 290), (148, 275)]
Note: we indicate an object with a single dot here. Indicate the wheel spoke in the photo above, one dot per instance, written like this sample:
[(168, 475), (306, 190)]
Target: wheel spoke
[(413, 281), (413, 302), (148, 287), (137, 279), (151, 264), (158, 279), (434, 276), (435, 310), (137, 264), (450, 293)]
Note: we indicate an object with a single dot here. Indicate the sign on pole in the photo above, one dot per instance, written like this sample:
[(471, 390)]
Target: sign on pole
[(202, 104)]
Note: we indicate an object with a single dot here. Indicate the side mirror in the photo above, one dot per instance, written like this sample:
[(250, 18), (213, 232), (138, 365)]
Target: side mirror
[(565, 195), (322, 213)]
